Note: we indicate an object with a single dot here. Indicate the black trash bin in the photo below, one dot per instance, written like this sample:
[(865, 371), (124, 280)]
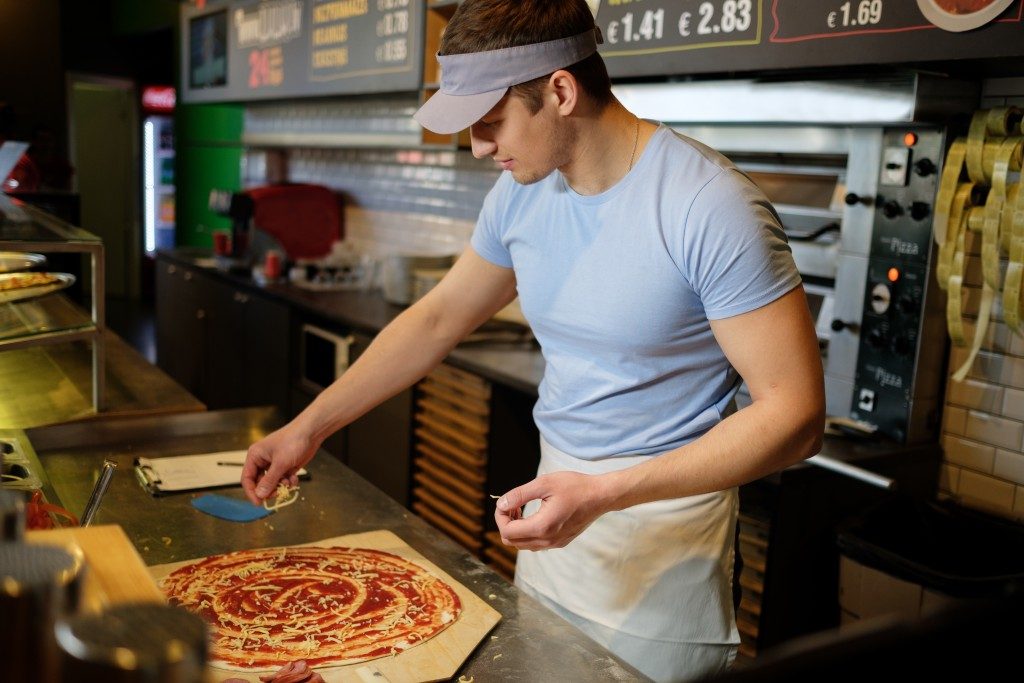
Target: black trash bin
[(938, 548)]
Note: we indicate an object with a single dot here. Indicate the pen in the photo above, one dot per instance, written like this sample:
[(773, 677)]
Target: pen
[(231, 464)]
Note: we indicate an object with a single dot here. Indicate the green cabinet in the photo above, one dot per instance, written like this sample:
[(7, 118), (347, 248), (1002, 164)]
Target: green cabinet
[(208, 156)]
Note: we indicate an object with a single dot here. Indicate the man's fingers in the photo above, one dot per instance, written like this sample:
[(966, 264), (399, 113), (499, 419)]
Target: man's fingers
[(266, 485), (521, 495), (255, 461), (519, 530)]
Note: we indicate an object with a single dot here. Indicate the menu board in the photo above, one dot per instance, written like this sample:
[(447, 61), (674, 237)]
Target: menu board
[(244, 50), (676, 37)]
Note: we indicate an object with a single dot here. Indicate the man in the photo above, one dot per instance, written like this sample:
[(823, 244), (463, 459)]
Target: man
[(656, 279)]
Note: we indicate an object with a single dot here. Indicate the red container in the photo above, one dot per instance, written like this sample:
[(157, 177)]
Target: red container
[(222, 243), (272, 265)]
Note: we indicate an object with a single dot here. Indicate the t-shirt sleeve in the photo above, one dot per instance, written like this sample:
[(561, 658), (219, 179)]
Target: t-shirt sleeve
[(734, 251), (487, 235)]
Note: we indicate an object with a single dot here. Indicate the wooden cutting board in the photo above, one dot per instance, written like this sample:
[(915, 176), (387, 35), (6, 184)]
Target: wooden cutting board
[(435, 660), (114, 571)]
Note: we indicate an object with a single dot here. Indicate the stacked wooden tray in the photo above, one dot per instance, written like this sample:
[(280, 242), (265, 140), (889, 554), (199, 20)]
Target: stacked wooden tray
[(450, 454), (753, 549), (500, 557)]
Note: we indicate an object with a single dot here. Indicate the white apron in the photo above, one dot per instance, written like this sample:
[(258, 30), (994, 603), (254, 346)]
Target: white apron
[(659, 571)]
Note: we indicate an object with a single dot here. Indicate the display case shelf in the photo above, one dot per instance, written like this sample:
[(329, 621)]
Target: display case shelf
[(53, 318), (52, 314)]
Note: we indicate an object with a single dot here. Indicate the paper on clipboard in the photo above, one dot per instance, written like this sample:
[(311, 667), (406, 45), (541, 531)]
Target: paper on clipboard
[(188, 472)]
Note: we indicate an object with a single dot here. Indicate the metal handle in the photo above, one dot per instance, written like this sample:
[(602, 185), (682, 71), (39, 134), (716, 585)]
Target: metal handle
[(97, 492), (853, 471)]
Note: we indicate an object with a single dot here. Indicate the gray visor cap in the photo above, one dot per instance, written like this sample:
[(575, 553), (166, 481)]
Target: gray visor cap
[(471, 84)]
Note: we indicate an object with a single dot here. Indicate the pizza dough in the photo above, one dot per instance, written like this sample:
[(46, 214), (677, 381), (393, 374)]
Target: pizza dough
[(323, 605)]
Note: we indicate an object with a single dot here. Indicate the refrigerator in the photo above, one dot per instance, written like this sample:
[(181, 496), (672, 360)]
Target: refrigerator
[(158, 183)]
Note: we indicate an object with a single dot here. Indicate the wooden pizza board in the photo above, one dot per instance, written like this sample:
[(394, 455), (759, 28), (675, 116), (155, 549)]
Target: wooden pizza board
[(114, 571), (435, 660)]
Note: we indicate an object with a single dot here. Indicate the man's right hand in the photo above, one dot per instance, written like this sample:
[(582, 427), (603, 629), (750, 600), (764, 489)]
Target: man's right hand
[(278, 456)]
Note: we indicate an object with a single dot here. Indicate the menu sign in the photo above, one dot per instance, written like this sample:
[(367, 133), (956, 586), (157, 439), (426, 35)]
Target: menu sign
[(243, 50), (671, 37)]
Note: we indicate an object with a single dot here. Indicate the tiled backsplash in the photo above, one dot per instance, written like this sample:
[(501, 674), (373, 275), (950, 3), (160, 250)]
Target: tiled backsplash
[(983, 427), (398, 198)]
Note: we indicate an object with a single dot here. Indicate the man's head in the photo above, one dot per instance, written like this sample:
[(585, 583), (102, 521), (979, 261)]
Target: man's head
[(493, 47)]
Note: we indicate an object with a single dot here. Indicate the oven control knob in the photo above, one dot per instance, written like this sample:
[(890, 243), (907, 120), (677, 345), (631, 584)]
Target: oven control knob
[(906, 305), (924, 167), (891, 209), (876, 338), (920, 210), (840, 325), (853, 198), (881, 297), (901, 345)]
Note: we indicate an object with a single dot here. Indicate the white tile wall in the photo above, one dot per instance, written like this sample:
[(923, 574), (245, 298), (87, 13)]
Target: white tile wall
[(972, 393), (998, 431), (985, 492), (966, 453), (384, 232), (420, 200), (955, 419), (983, 426), (1013, 404), (1009, 465)]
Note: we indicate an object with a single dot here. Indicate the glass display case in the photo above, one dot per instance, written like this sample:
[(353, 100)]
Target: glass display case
[(46, 315)]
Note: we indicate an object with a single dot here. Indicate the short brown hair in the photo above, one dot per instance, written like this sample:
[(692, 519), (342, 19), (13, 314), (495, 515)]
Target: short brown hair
[(481, 25)]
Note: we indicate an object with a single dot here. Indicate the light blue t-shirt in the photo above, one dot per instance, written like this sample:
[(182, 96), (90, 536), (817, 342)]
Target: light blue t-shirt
[(619, 288)]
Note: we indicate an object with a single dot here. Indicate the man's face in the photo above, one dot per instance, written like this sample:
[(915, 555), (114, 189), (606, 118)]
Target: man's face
[(528, 145)]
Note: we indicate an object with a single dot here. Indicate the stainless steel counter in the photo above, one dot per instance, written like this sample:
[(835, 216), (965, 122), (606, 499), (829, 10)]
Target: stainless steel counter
[(529, 644)]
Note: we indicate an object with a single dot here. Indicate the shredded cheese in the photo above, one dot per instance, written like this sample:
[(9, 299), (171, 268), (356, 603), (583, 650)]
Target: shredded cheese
[(284, 495)]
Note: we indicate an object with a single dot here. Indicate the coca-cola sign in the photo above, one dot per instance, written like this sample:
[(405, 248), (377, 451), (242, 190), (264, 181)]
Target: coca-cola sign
[(158, 99)]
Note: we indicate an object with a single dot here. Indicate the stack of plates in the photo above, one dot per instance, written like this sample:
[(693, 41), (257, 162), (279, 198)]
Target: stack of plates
[(15, 261)]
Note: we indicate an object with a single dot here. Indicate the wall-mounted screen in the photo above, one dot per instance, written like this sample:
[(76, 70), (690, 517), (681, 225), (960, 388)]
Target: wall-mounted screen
[(247, 50), (208, 50)]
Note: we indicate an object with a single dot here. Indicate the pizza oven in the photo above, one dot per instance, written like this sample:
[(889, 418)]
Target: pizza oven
[(852, 167)]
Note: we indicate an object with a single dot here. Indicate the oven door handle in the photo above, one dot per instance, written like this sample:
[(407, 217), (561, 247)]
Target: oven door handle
[(858, 473)]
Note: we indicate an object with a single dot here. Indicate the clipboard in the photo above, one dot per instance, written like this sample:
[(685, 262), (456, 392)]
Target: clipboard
[(180, 473)]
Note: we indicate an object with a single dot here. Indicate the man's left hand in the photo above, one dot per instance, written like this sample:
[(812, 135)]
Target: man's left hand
[(570, 501)]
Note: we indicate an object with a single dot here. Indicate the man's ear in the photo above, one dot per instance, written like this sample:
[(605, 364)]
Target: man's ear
[(564, 90)]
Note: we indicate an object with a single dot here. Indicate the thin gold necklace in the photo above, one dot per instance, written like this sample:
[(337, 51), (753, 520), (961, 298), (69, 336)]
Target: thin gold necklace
[(636, 139)]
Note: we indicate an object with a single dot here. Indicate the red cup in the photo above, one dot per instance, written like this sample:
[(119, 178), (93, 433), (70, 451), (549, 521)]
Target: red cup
[(221, 243), (272, 265)]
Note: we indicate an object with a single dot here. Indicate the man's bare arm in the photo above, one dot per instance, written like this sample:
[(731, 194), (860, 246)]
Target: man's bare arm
[(404, 352), (775, 351)]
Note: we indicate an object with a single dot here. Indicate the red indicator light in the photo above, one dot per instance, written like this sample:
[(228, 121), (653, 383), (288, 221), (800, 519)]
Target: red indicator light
[(894, 274), (910, 139)]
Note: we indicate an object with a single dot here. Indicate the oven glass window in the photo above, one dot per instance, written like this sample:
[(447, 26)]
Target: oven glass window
[(319, 360)]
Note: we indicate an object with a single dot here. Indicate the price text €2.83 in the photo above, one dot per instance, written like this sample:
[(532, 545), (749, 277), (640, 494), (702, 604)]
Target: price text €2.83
[(709, 20)]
